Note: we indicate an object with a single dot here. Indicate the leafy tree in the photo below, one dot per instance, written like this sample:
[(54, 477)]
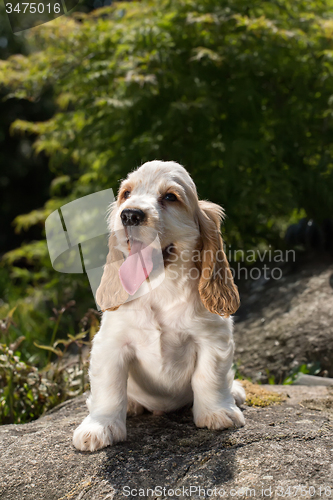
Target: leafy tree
[(18, 165), (240, 95)]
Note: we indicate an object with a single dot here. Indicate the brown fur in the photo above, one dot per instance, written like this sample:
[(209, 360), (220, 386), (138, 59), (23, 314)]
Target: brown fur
[(217, 290), (110, 293)]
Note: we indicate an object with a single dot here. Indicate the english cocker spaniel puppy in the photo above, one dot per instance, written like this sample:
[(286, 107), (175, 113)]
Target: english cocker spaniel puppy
[(170, 344)]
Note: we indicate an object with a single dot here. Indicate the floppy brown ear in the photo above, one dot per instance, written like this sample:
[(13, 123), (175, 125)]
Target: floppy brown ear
[(217, 289), (110, 293)]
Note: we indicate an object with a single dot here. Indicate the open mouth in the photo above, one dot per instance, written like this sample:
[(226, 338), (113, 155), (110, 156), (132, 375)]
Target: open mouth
[(133, 243), (140, 263), (167, 252)]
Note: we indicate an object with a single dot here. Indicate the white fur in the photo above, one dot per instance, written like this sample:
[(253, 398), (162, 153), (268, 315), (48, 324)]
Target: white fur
[(164, 349)]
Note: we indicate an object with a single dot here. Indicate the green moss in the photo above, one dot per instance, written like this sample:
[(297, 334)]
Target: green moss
[(258, 396)]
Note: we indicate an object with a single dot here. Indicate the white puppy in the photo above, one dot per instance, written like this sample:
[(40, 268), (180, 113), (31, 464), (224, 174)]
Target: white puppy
[(174, 345)]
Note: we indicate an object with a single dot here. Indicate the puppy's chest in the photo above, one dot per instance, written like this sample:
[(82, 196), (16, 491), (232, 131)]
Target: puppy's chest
[(165, 347)]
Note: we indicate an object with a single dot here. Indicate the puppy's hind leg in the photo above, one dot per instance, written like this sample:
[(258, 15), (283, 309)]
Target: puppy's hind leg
[(238, 393), (236, 388), (134, 408)]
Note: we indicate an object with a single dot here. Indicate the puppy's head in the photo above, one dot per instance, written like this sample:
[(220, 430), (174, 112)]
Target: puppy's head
[(160, 198)]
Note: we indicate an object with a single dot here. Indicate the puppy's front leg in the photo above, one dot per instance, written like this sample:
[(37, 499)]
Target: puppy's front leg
[(213, 405), (106, 423)]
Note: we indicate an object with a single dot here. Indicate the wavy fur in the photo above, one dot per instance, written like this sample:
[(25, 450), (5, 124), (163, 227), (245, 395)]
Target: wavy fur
[(174, 345)]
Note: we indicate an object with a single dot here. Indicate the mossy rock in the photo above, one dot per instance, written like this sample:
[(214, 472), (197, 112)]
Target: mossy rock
[(256, 395)]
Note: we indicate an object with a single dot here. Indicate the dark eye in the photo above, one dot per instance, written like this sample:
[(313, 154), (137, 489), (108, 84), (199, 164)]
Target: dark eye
[(126, 194), (170, 197)]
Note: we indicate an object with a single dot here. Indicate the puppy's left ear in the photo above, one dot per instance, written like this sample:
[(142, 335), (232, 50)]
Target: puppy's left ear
[(217, 289)]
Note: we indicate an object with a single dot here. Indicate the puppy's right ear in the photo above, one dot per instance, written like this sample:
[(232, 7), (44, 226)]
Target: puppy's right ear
[(110, 294)]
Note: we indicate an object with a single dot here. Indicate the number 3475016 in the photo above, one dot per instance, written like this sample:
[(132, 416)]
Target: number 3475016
[(33, 8)]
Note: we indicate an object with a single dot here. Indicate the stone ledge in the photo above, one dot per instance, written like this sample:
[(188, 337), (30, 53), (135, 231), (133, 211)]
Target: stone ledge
[(283, 445)]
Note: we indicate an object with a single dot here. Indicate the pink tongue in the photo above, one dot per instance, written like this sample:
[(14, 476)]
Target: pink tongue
[(136, 268)]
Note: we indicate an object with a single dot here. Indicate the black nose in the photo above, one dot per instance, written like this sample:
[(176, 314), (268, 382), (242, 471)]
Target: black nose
[(132, 216)]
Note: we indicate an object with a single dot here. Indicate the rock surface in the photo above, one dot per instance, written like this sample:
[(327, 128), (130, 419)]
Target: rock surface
[(281, 446), (312, 380), (285, 323)]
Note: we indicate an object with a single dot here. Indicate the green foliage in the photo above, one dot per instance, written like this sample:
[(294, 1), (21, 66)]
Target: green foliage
[(10, 43), (271, 378), (308, 368), (31, 316), (24, 177), (313, 368), (241, 95), (26, 392), (23, 391), (28, 320), (28, 281)]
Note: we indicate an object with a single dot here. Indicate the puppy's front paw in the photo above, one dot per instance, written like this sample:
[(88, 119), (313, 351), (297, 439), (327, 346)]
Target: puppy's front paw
[(94, 433), (224, 418)]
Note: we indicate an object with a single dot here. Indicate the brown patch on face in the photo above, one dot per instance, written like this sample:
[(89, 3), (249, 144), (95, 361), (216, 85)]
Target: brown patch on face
[(124, 193), (176, 192), (175, 195)]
